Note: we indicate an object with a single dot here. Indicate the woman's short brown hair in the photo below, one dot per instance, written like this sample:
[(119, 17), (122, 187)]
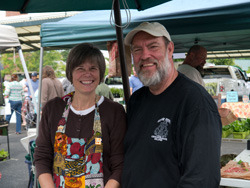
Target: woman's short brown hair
[(82, 53)]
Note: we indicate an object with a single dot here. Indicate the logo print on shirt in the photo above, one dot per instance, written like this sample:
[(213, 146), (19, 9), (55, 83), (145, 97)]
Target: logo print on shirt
[(161, 132)]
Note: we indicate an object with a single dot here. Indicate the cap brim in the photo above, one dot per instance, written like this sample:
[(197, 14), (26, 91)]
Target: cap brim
[(131, 34)]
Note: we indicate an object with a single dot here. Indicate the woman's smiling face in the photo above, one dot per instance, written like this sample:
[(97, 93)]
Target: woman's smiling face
[(86, 77)]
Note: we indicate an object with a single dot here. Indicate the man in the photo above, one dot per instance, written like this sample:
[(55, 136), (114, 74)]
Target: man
[(134, 82), (194, 63), (174, 129), (192, 67), (34, 84)]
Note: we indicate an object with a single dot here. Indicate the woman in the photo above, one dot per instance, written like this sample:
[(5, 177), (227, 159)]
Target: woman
[(14, 91), (80, 141), (51, 87)]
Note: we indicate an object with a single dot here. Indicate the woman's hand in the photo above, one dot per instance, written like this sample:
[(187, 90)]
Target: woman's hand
[(112, 184), (46, 181)]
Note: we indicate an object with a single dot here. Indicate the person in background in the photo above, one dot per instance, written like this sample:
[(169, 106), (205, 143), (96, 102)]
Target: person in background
[(192, 67), (80, 140), (25, 102), (174, 129), (34, 84), (134, 82), (14, 91), (104, 90), (51, 86), (7, 79)]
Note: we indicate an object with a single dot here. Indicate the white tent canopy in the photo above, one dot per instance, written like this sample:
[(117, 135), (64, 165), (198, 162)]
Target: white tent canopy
[(8, 37)]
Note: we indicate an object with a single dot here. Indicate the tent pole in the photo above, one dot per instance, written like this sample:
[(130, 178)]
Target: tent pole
[(39, 89), (27, 75), (38, 111), (121, 50)]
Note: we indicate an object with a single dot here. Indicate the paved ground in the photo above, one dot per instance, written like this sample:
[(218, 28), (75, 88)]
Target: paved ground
[(15, 173)]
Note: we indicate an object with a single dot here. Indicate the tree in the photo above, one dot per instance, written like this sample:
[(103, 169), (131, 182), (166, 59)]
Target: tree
[(61, 68), (65, 54), (221, 61), (12, 64)]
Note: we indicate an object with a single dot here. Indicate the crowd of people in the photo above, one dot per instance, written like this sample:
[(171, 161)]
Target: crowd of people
[(18, 93), (170, 127)]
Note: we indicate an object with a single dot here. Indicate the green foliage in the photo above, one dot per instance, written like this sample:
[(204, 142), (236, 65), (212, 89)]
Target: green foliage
[(51, 58), (211, 88), (242, 125), (178, 60), (117, 93), (3, 154), (13, 63), (65, 54), (106, 71), (227, 127), (221, 61), (107, 67), (107, 59), (246, 122), (60, 71)]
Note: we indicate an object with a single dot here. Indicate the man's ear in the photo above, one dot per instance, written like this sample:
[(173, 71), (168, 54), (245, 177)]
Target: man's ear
[(170, 49), (192, 55)]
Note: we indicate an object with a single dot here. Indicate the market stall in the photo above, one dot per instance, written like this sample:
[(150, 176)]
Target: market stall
[(240, 109), (9, 39), (238, 171)]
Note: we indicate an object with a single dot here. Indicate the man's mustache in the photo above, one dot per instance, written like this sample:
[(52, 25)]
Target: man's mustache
[(149, 60)]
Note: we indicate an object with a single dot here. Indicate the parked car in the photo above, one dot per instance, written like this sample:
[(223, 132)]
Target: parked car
[(224, 78), (114, 82), (116, 87)]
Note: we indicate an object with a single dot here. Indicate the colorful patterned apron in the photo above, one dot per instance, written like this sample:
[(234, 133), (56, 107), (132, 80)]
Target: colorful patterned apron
[(78, 163)]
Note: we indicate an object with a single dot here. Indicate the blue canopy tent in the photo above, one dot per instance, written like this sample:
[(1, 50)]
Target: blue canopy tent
[(88, 26), (217, 25), (28, 6)]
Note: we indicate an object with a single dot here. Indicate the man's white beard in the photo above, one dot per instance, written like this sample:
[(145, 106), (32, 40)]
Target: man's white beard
[(162, 71)]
